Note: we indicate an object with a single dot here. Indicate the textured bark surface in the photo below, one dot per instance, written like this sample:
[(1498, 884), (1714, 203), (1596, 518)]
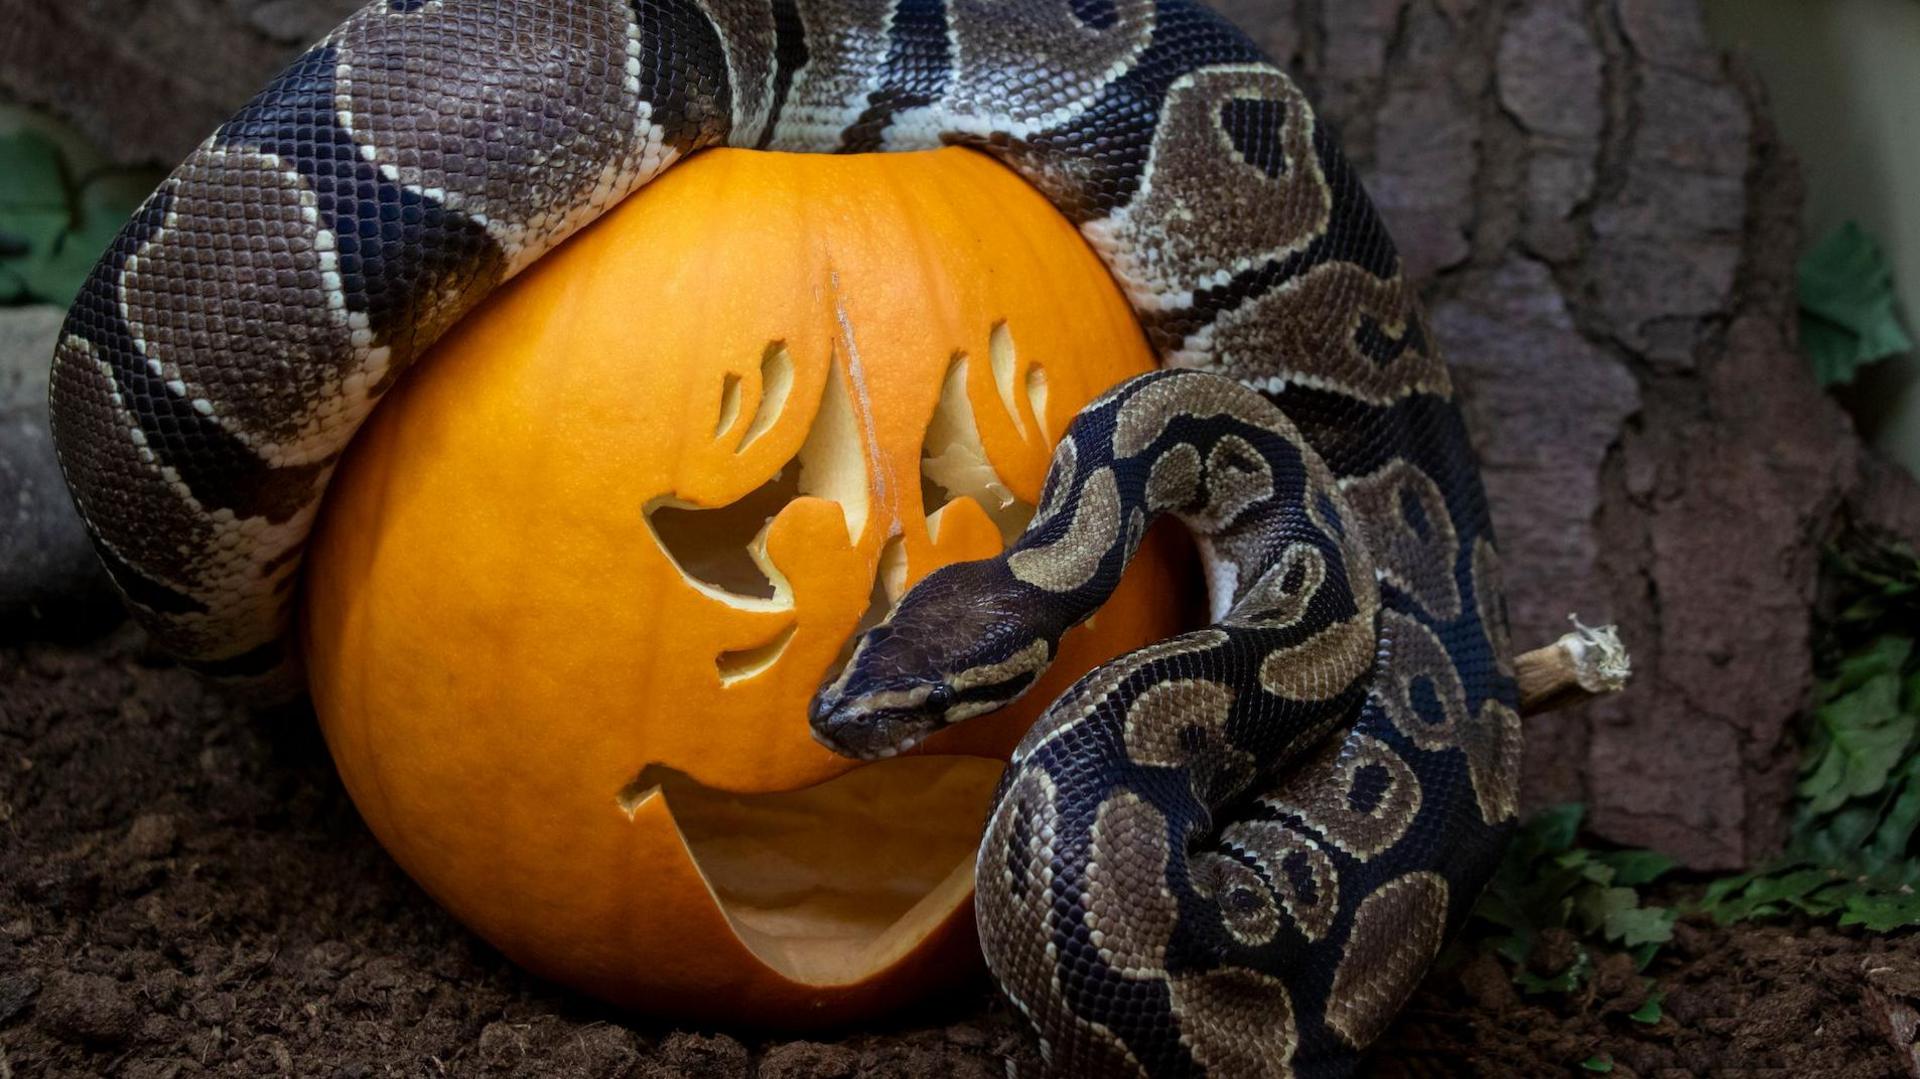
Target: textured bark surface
[(146, 80), (1606, 230)]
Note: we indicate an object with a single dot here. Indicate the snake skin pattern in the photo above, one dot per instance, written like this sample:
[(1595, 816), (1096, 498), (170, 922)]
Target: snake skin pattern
[(1231, 853)]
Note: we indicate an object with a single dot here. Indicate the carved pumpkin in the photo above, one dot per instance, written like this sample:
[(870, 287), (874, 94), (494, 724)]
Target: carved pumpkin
[(561, 655)]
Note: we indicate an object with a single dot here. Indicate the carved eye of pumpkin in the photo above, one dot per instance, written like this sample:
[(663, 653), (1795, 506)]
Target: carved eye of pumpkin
[(576, 582)]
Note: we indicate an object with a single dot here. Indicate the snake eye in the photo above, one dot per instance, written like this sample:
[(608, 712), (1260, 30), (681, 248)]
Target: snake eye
[(940, 695)]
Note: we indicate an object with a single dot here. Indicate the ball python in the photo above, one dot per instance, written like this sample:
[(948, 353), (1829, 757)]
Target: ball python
[(1230, 853)]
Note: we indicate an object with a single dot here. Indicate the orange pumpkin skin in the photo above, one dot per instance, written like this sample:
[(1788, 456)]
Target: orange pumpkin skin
[(579, 747)]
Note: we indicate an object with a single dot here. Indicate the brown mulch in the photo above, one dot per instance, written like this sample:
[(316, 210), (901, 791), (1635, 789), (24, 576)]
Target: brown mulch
[(185, 889)]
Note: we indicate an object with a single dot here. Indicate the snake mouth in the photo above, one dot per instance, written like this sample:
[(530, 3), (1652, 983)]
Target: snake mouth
[(832, 884), (863, 731)]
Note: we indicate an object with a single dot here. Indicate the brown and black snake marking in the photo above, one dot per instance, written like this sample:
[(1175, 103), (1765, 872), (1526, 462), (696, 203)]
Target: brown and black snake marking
[(1232, 852)]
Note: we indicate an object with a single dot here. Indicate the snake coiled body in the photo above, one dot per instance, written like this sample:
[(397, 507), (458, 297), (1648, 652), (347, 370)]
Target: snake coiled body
[(1234, 852)]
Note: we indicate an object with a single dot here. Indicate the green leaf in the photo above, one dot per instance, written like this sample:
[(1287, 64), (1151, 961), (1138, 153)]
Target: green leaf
[(33, 209), (1596, 907), (1829, 900), (1862, 736), (1864, 609), (1643, 954), (1835, 840), (1565, 981), (1851, 847), (1847, 315), (1600, 1063), (1846, 891), (1632, 868), (1495, 908), (1554, 828), (1765, 895), (1648, 1012), (1515, 948), (31, 176), (1583, 863), (1895, 833), (1886, 655), (1882, 912), (1788, 886), (105, 203), (1553, 885), (1720, 890), (1641, 925), (53, 227)]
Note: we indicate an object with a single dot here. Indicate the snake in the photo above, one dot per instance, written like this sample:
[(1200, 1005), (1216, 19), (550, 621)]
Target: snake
[(1233, 852)]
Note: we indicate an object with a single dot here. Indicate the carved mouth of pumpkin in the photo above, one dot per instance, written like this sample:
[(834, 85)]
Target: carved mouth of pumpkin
[(834, 882)]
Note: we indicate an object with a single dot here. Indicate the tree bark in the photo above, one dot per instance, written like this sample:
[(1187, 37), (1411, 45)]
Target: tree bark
[(1605, 227), (146, 80)]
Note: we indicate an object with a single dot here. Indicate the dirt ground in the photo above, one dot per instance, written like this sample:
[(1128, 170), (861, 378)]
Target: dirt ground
[(186, 889)]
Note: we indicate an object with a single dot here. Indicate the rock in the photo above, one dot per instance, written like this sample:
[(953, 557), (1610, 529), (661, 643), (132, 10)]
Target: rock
[(87, 1009), (50, 582)]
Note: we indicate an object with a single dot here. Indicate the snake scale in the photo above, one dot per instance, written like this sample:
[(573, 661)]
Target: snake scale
[(1231, 853)]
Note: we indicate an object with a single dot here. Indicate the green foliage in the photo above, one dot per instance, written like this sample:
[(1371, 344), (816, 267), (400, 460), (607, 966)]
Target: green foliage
[(1850, 855), (1860, 729), (1546, 882), (55, 220), (1847, 315)]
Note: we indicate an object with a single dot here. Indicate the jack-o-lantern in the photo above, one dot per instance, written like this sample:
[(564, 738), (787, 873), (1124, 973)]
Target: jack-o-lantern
[(577, 580)]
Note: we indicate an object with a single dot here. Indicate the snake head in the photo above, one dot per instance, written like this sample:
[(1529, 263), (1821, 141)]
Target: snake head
[(956, 647)]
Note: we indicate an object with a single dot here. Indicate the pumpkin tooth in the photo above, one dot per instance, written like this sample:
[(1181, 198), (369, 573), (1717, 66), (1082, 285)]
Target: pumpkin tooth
[(775, 388), (1006, 364), (739, 665), (954, 463), (1037, 401), (729, 406)]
